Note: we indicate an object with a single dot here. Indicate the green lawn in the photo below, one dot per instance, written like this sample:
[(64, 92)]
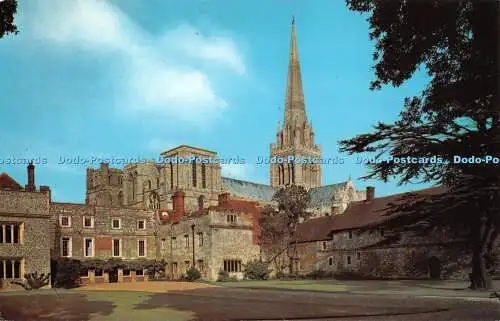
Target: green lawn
[(308, 285)]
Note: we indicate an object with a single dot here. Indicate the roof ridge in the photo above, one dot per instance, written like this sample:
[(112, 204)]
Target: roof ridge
[(399, 194)]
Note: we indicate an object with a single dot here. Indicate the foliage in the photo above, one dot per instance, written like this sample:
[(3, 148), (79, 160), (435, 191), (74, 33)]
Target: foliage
[(67, 273), (224, 277), (193, 274), (456, 114), (278, 226), (317, 274), (34, 281), (257, 270), (8, 8)]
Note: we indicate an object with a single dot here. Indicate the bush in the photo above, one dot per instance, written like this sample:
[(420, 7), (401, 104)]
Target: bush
[(67, 273), (317, 274), (257, 270), (192, 274), (224, 277), (34, 281)]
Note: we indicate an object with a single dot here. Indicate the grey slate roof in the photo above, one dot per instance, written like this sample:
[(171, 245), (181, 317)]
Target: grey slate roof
[(261, 192), (323, 194), (254, 191)]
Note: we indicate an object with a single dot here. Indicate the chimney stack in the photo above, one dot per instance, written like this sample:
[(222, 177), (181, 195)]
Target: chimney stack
[(224, 198), (334, 210), (46, 190), (178, 204), (370, 193), (31, 177)]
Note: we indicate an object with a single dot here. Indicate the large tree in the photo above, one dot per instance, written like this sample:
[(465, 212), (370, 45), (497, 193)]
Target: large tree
[(457, 113), (8, 9), (278, 225)]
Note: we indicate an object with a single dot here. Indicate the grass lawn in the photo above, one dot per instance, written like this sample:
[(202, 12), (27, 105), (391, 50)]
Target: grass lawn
[(308, 285), (83, 305)]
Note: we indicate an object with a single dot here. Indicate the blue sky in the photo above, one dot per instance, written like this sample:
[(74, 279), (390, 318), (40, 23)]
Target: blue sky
[(131, 78)]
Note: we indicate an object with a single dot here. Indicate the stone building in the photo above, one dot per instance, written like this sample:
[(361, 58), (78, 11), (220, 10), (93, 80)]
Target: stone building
[(356, 243), (24, 228)]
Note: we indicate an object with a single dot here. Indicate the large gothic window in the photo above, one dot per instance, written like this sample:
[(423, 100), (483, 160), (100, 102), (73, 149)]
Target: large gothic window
[(194, 173), (203, 176)]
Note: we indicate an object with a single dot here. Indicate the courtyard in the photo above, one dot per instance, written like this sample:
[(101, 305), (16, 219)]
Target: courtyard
[(254, 300)]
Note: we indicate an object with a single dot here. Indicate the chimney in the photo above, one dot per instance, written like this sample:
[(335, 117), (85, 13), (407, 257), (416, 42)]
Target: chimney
[(370, 193), (178, 203), (334, 210), (224, 198), (31, 178), (46, 190)]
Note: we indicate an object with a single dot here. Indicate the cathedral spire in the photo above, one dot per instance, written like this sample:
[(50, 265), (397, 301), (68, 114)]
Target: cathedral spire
[(294, 104)]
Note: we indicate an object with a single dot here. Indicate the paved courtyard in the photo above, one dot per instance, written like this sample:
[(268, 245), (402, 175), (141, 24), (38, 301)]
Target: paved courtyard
[(196, 301)]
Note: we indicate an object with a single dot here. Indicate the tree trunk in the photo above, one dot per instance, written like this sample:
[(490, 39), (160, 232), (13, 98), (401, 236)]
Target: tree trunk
[(479, 278)]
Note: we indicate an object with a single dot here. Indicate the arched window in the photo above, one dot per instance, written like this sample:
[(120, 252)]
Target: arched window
[(194, 173), (203, 176)]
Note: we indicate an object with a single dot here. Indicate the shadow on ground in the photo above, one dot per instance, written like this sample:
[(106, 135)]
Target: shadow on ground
[(248, 304), (70, 307)]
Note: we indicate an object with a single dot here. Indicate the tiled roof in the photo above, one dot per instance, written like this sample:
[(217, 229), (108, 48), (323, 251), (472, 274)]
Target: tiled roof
[(7, 182), (365, 213), (358, 215), (248, 190), (315, 229), (323, 194)]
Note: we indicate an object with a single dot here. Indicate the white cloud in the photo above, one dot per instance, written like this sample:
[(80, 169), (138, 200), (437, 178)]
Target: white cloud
[(241, 171), (160, 75)]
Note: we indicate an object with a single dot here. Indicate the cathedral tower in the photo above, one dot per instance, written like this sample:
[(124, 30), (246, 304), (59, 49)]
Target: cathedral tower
[(295, 139)]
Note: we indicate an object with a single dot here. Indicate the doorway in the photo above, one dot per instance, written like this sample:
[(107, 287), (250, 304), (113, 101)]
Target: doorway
[(434, 268), (113, 276)]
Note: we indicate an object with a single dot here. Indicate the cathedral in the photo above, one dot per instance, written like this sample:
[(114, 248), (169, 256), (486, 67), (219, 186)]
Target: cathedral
[(151, 185)]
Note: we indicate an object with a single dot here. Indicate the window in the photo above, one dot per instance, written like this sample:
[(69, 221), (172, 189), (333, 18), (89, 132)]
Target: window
[(84, 273), (88, 221), (186, 240), (174, 242), (382, 232), (232, 265), (231, 218), (66, 247), (330, 261), (141, 224), (88, 247), (126, 272), (201, 202), (194, 173), (116, 223), (117, 247), (65, 221), (203, 176), (139, 272), (163, 241), (171, 176), (200, 265), (10, 268), (98, 272), (141, 248), (323, 245), (157, 182), (349, 235), (11, 232), (348, 260), (200, 239), (359, 255)]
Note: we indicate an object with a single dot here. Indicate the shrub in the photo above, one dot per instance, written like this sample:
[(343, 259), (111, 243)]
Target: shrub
[(192, 274), (224, 277), (317, 274), (68, 273), (257, 270), (34, 281)]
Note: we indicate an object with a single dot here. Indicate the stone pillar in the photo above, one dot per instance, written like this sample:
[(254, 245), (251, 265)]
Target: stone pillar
[(12, 233), (106, 277), (21, 268), (145, 275), (120, 275), (4, 263), (4, 234), (13, 266), (91, 276)]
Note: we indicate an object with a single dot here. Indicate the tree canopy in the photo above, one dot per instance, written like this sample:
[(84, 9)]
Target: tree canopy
[(8, 9), (456, 114)]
